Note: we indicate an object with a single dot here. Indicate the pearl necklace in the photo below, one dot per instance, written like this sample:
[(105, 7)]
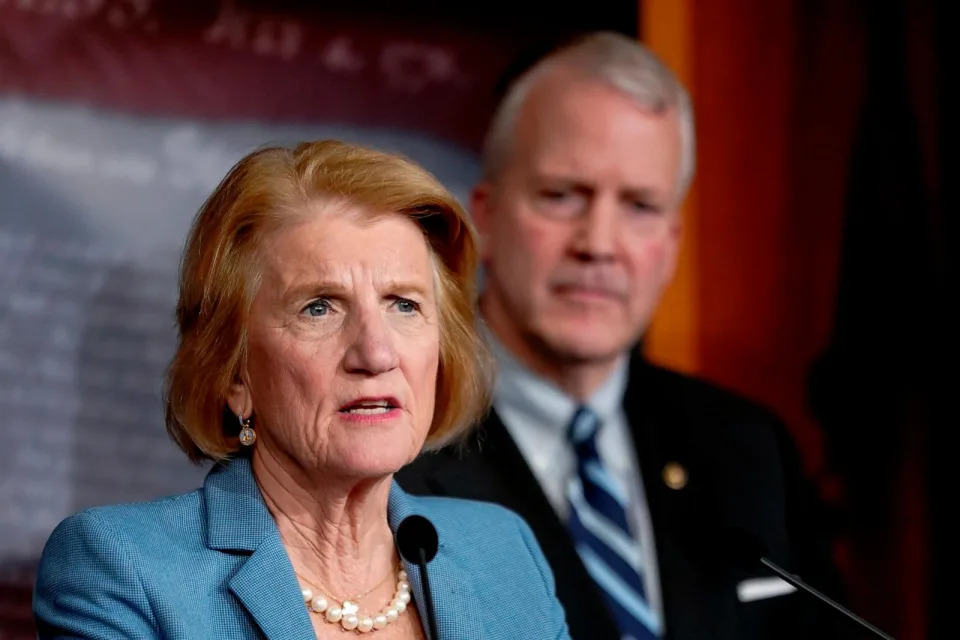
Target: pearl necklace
[(347, 614)]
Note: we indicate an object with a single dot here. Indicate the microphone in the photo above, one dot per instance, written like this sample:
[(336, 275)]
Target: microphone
[(418, 543), (748, 551)]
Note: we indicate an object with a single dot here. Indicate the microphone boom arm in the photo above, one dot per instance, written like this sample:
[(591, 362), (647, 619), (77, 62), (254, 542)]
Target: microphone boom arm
[(800, 584)]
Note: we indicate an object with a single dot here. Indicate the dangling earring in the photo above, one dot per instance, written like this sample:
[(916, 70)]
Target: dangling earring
[(247, 435)]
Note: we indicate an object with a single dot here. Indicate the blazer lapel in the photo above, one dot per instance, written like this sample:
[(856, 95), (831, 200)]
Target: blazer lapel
[(455, 603), (265, 584), (268, 589)]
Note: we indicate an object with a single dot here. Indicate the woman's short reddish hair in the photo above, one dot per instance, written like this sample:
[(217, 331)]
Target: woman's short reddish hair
[(220, 276)]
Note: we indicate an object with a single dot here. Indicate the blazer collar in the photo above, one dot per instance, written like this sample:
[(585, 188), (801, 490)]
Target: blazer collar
[(237, 518), (266, 585)]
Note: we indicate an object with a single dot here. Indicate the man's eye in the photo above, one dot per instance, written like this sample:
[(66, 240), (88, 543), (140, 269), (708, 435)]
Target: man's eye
[(561, 203), (644, 207), (317, 308)]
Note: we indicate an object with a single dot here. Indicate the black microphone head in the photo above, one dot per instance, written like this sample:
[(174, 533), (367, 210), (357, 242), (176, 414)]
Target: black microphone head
[(415, 533), (743, 548)]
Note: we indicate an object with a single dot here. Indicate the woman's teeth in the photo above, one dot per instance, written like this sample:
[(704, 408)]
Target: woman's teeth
[(368, 410)]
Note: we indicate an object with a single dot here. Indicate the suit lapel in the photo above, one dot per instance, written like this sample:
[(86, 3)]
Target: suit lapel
[(455, 603), (491, 468), (265, 584), (678, 510)]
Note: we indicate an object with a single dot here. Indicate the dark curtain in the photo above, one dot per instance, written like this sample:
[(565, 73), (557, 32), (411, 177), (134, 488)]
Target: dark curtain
[(942, 458), (878, 389)]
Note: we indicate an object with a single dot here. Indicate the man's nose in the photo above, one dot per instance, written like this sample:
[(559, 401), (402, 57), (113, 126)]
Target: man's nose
[(596, 236)]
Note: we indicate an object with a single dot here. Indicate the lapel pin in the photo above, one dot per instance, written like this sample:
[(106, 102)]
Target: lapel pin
[(674, 475)]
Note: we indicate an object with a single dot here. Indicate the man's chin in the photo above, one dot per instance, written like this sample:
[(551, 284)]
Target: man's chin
[(585, 350)]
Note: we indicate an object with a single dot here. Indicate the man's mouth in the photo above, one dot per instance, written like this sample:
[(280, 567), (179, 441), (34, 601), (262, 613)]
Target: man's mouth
[(586, 291)]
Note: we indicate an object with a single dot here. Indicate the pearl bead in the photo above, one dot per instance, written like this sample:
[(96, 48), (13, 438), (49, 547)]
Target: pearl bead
[(392, 614), (319, 604), (334, 613), (403, 585), (349, 622), (404, 595), (365, 625), (379, 621), (307, 595), (402, 575), (399, 605)]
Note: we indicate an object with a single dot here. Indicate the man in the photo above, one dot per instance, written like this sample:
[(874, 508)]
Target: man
[(637, 481)]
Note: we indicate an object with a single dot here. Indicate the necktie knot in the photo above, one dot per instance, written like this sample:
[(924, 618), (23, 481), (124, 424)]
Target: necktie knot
[(583, 427)]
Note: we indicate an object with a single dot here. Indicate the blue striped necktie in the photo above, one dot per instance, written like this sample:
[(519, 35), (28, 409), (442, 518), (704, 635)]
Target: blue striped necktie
[(601, 534)]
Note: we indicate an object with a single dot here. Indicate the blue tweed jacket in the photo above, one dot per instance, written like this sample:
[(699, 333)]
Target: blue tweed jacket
[(211, 564)]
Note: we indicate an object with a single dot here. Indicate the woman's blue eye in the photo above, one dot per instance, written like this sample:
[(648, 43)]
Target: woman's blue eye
[(318, 308), (406, 306)]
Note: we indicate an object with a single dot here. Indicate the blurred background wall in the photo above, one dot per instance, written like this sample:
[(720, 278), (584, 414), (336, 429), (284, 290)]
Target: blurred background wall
[(814, 277)]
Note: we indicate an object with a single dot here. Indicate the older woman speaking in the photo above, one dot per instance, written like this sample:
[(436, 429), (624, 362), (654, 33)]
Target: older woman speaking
[(326, 323)]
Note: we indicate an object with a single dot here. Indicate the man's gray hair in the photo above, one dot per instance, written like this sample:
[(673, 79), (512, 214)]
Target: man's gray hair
[(611, 58)]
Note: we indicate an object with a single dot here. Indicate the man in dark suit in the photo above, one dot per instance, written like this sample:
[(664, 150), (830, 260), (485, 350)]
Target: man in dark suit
[(634, 478)]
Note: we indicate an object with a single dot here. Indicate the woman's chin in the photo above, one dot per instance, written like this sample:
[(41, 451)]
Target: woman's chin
[(363, 458), (368, 468)]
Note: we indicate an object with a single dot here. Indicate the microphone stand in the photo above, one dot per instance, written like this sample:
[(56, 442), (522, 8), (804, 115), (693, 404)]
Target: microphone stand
[(417, 542), (427, 595)]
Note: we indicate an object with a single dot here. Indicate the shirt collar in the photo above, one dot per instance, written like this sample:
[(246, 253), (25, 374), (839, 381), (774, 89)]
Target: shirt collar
[(540, 401)]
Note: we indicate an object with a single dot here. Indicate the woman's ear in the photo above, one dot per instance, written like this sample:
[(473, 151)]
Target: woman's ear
[(239, 399)]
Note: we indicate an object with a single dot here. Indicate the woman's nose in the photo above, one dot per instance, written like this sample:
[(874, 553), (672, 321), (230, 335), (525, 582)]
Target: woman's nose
[(371, 350)]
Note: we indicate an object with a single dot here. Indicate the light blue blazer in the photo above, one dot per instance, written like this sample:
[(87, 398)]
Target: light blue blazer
[(211, 564)]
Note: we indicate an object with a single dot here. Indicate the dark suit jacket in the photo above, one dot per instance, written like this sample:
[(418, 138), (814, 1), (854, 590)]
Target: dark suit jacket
[(742, 471)]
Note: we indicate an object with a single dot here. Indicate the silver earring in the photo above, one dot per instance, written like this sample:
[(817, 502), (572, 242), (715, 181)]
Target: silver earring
[(247, 435)]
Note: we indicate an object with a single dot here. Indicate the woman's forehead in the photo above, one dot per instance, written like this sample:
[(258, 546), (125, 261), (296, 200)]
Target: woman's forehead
[(344, 248)]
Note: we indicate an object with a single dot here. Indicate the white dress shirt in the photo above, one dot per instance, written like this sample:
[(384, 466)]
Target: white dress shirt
[(537, 414)]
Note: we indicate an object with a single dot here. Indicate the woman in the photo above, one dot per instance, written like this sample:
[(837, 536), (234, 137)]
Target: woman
[(326, 326)]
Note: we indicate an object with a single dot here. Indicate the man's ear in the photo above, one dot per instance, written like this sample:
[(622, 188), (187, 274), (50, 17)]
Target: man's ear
[(481, 210), (674, 244)]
